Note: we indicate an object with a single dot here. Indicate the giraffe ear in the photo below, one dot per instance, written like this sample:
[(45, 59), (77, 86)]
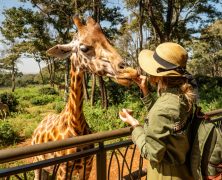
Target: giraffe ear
[(60, 51)]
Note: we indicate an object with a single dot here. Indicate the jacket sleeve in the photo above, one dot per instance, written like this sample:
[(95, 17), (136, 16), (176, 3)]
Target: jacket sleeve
[(150, 147)]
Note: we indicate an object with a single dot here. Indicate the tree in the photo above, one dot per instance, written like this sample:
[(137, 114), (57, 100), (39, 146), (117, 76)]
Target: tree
[(30, 31), (151, 22), (9, 63), (174, 20), (13, 53), (170, 19), (207, 51)]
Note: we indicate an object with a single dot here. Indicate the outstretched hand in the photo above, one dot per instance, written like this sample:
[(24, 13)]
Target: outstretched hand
[(141, 81), (125, 116)]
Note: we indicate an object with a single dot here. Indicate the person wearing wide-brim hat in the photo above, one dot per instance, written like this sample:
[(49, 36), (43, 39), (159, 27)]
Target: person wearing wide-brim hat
[(163, 139)]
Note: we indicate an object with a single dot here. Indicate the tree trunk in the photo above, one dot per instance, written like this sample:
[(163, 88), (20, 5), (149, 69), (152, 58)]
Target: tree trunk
[(40, 71), (103, 93), (96, 10), (93, 89), (169, 16), (153, 20), (53, 72), (13, 76), (141, 4), (49, 69), (86, 94), (66, 92)]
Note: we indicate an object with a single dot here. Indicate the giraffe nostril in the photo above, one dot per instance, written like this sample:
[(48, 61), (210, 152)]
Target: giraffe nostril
[(122, 65)]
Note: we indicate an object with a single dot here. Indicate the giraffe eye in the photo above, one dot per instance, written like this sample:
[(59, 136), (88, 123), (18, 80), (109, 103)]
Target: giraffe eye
[(84, 48)]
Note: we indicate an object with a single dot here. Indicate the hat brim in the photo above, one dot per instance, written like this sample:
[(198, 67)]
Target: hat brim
[(150, 65)]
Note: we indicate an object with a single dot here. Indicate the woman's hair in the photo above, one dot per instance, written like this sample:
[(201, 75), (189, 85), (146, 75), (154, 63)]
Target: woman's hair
[(164, 82)]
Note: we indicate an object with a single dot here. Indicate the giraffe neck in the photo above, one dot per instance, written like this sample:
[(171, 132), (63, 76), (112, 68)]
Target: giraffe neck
[(74, 106)]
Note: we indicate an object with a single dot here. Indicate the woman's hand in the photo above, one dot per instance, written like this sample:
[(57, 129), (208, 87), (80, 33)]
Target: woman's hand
[(125, 116), (141, 81)]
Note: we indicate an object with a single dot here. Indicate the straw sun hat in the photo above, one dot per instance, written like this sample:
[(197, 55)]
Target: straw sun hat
[(169, 59)]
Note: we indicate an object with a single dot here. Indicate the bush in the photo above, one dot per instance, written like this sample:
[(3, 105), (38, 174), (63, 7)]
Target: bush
[(7, 134), (10, 100), (59, 106), (208, 82), (42, 100), (118, 94), (48, 91)]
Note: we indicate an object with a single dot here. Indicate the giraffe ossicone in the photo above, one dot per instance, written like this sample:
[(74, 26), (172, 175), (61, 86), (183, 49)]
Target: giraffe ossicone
[(89, 51)]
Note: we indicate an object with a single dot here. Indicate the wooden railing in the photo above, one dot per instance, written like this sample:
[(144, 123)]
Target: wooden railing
[(108, 152)]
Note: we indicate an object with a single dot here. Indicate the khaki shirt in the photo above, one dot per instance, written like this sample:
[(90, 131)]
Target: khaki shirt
[(163, 140)]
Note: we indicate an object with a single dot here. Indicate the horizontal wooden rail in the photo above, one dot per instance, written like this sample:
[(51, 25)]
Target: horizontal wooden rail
[(99, 151), (214, 113), (62, 159), (9, 155)]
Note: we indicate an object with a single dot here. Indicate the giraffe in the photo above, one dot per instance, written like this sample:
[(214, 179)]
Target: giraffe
[(88, 51), (4, 110)]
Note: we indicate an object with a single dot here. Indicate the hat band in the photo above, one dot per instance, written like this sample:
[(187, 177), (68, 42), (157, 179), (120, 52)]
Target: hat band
[(167, 65), (162, 61), (170, 66)]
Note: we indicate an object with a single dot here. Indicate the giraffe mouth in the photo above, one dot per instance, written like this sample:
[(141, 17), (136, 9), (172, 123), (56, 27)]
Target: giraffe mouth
[(125, 76)]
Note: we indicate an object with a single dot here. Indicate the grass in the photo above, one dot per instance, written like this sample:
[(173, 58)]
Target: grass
[(34, 106)]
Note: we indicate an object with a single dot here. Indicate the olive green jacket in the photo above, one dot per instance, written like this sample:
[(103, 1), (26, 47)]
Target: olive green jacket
[(163, 140)]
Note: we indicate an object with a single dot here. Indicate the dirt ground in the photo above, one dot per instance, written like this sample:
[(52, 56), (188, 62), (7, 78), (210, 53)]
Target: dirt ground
[(114, 166)]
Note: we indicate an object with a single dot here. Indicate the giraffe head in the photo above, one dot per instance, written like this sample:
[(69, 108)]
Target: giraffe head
[(91, 51)]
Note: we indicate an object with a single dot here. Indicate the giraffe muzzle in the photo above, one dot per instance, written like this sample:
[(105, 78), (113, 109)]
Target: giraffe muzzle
[(125, 76)]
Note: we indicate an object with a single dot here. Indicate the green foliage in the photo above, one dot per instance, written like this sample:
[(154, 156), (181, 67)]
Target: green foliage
[(210, 92), (101, 119), (118, 94), (42, 100), (30, 174), (5, 79), (59, 106), (25, 80), (30, 92), (207, 53), (10, 100), (206, 82), (7, 134), (105, 120), (48, 91)]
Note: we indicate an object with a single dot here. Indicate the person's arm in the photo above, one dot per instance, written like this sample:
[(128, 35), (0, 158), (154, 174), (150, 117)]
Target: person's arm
[(147, 97), (158, 140), (141, 81), (150, 139), (150, 146), (164, 136)]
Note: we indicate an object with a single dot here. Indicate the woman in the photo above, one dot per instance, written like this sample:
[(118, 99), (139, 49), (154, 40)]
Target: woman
[(164, 140)]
